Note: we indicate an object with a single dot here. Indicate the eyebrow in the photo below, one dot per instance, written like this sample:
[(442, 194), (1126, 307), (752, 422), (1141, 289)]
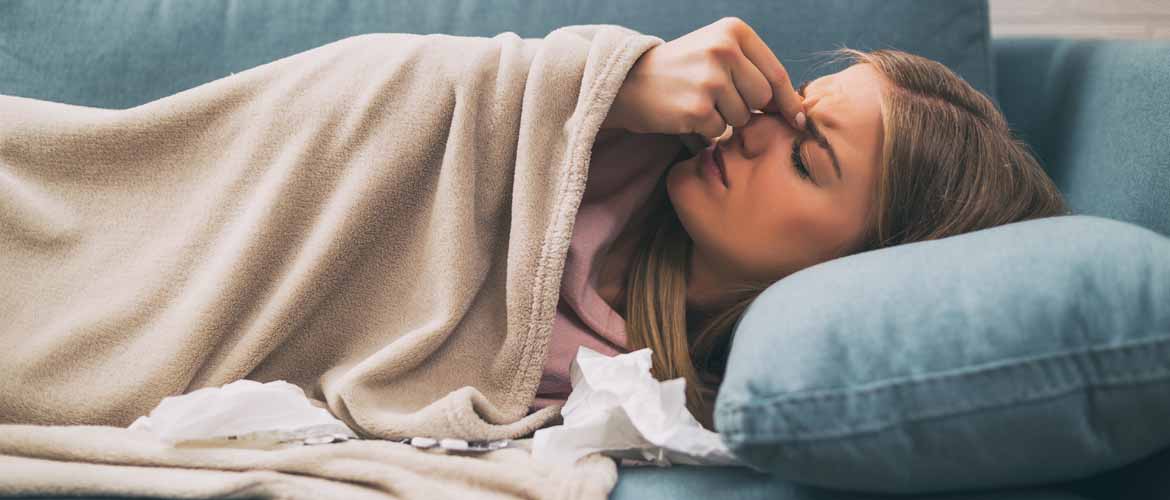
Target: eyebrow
[(817, 136)]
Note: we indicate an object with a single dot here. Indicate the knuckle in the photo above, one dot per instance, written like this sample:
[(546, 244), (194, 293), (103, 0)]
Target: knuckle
[(723, 50), (733, 22), (780, 75), (711, 80), (698, 111), (711, 86)]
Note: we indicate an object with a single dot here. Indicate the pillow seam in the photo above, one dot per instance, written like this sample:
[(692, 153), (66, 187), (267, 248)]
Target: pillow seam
[(1048, 391), (938, 377), (921, 418)]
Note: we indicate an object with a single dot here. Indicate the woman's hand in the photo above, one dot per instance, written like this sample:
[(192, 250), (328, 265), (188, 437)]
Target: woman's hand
[(703, 81)]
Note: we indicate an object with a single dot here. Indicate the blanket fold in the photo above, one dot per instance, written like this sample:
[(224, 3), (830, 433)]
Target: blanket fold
[(382, 221)]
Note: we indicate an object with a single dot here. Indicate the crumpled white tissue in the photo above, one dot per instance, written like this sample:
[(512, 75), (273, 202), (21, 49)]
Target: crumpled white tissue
[(244, 410), (618, 408)]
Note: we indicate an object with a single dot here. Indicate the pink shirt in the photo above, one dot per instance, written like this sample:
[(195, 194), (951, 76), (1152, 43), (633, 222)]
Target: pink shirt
[(623, 169)]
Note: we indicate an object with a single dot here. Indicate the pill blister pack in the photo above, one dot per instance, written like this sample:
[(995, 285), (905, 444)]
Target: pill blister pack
[(455, 445), (321, 434), (326, 439), (447, 444)]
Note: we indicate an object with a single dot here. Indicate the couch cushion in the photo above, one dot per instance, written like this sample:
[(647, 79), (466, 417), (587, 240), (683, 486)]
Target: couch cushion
[(1021, 354), (1097, 113), (1143, 480), (117, 54), (684, 482)]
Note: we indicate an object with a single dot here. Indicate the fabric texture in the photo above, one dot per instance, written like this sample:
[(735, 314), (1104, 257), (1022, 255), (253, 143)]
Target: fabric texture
[(382, 220), (1096, 113), (94, 460), (622, 173), (1023, 354)]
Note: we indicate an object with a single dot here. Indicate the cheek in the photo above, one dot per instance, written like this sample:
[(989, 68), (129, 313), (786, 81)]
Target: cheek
[(782, 228), (702, 215), (779, 203), (813, 233), (688, 198)]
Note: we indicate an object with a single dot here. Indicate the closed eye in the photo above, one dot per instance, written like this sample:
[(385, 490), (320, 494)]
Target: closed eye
[(798, 161)]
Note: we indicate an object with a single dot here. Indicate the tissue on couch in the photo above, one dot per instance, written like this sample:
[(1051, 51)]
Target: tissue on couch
[(618, 408), (244, 410)]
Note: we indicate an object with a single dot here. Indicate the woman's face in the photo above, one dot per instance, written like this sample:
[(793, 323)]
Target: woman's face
[(770, 221)]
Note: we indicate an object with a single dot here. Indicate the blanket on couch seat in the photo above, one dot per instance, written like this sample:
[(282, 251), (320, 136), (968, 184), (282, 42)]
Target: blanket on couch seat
[(382, 221)]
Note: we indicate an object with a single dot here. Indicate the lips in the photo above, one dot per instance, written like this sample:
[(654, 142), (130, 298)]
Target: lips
[(718, 156)]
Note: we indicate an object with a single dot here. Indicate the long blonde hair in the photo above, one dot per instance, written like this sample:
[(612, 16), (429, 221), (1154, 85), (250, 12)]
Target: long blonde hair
[(949, 165)]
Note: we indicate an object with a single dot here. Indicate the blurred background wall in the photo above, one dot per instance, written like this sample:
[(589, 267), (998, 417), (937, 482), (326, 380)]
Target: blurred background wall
[(1140, 19)]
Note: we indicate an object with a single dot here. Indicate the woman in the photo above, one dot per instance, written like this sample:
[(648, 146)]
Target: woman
[(307, 221), (894, 149)]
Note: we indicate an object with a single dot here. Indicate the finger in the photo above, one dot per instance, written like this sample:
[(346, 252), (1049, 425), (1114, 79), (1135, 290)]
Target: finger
[(711, 124), (732, 106), (751, 84), (725, 135), (784, 100)]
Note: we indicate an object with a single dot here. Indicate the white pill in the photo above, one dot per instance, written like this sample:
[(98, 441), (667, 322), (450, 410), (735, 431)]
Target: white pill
[(319, 440), (422, 442), (453, 444)]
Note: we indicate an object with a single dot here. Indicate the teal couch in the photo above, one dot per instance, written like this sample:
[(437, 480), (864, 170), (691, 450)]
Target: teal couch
[(1081, 105)]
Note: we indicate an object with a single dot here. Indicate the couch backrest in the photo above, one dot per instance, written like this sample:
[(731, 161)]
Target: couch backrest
[(1097, 112), (117, 54)]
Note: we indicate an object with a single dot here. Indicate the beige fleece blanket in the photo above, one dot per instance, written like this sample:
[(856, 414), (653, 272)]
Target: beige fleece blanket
[(382, 220)]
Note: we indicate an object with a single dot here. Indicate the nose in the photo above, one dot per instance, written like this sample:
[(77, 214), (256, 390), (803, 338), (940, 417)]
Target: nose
[(752, 138)]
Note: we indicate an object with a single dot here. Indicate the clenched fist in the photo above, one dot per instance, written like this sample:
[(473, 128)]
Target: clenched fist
[(703, 81)]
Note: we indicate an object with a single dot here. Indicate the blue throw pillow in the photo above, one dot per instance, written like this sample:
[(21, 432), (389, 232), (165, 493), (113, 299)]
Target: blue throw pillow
[(1027, 353)]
